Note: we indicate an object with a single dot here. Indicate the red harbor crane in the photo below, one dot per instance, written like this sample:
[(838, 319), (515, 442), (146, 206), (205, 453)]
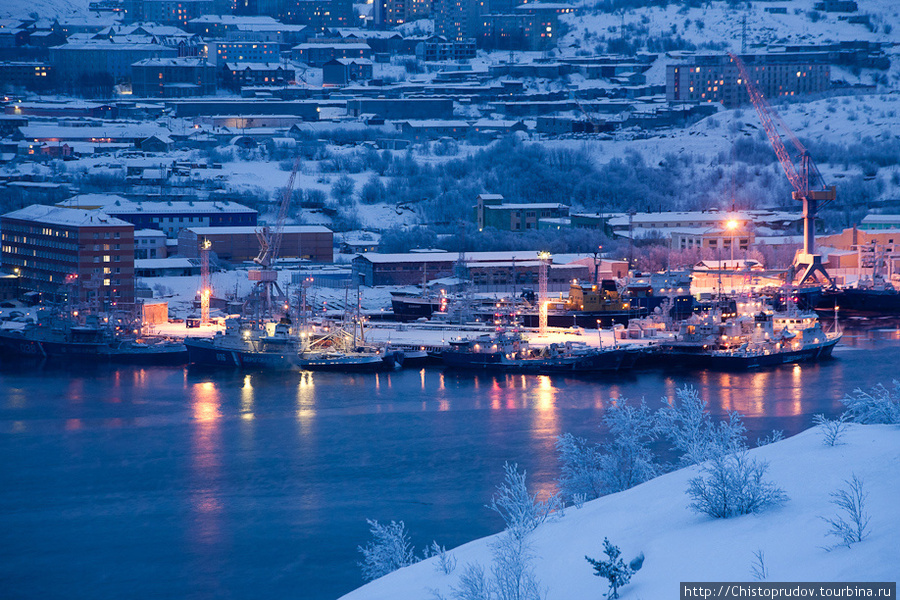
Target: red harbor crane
[(807, 263)]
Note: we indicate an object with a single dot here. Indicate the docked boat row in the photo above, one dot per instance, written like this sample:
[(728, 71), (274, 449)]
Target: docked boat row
[(728, 336)]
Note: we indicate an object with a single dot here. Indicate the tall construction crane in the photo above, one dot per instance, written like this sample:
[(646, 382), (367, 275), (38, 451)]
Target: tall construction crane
[(808, 263), (266, 277), (205, 287)]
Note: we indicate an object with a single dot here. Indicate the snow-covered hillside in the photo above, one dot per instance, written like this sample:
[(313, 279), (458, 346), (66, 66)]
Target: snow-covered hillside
[(45, 9), (680, 545), (717, 22)]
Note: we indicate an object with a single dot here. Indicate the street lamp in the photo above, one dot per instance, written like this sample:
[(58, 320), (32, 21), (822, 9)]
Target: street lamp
[(731, 226)]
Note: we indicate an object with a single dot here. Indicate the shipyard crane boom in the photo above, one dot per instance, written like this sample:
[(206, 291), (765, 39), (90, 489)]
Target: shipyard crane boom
[(270, 244), (808, 261)]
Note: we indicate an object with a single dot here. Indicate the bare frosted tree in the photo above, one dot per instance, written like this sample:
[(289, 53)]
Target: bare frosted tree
[(390, 550), (513, 570), (879, 405), (521, 511), (732, 484), (832, 429), (852, 526)]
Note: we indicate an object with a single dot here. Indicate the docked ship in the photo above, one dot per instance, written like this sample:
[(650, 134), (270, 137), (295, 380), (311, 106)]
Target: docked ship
[(352, 361), (276, 346), (507, 351), (749, 341), (245, 346), (56, 336), (868, 297)]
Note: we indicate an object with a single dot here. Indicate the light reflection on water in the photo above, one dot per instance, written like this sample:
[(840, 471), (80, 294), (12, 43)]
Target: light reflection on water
[(260, 483)]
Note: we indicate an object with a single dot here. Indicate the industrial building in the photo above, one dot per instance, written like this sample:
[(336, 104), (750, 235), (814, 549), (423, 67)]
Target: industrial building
[(238, 244), (492, 211)]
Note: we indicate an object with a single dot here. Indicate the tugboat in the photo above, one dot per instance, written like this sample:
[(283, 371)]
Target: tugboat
[(508, 351), (56, 335), (245, 346)]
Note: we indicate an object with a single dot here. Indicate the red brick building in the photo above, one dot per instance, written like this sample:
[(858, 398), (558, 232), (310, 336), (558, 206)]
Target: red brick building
[(66, 252)]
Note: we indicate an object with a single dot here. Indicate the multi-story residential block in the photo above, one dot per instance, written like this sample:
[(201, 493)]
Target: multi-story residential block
[(172, 78), (25, 75), (170, 12), (389, 13), (716, 78), (239, 27), (317, 53), (343, 71), (319, 15), (247, 51), (438, 48), (66, 253), (74, 61), (542, 28), (239, 74), (457, 20)]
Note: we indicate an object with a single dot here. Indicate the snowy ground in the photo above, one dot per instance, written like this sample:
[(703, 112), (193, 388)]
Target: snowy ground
[(680, 545), (718, 22)]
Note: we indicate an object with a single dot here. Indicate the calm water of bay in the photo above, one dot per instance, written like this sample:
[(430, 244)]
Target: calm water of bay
[(184, 483)]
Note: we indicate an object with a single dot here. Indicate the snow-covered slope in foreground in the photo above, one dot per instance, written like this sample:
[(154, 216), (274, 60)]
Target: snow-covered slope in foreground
[(680, 545)]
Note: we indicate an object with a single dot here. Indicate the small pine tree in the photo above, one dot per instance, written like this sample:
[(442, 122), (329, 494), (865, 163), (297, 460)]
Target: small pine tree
[(614, 569)]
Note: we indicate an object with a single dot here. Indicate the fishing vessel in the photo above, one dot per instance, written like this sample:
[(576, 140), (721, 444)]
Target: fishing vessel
[(742, 342)]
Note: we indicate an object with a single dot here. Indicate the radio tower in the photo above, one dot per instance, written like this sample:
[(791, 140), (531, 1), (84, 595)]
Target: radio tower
[(204, 282), (542, 291)]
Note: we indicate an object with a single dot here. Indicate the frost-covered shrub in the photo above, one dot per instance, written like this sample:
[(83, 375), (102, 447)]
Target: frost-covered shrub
[(629, 460), (688, 426), (388, 551), (776, 436), (445, 563), (852, 526), (878, 405), (832, 429), (473, 584), (522, 512), (732, 484), (581, 469)]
